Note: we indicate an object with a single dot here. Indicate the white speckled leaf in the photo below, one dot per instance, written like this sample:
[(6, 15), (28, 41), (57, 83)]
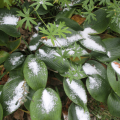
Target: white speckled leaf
[(35, 72), (46, 106), (98, 87), (75, 91), (76, 112), (113, 75), (13, 95), (92, 67), (14, 60)]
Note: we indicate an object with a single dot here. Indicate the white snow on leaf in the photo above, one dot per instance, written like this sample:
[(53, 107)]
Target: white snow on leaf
[(65, 116), (90, 70), (116, 66), (48, 101), (62, 41), (15, 60), (37, 27), (109, 54), (77, 90), (88, 42), (18, 97), (81, 114), (94, 83), (34, 67), (50, 54), (0, 92), (10, 19), (33, 47)]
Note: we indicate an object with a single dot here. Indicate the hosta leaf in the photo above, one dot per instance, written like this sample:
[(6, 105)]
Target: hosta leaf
[(8, 21), (46, 106), (92, 67), (70, 23), (48, 55), (13, 45), (3, 56), (101, 23), (76, 92), (113, 49), (29, 99), (35, 72), (98, 87), (113, 74), (13, 95), (91, 42), (113, 103), (115, 27), (1, 112), (76, 112), (34, 42), (14, 60), (3, 38), (62, 42)]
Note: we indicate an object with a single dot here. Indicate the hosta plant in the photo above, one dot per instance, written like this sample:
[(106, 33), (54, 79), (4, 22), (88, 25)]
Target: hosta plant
[(84, 56)]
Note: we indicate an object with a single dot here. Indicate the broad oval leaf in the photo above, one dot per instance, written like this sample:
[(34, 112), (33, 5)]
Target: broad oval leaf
[(62, 42), (35, 72), (115, 27), (3, 56), (113, 103), (76, 91), (101, 23), (14, 60), (1, 112), (48, 55), (8, 21), (93, 43), (98, 87), (46, 106), (113, 72), (13, 95), (92, 67), (29, 99), (76, 112)]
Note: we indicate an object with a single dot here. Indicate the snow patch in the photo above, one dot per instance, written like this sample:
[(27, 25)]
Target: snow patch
[(33, 47), (18, 97), (94, 83), (34, 67), (109, 54), (116, 66), (77, 90), (81, 114)]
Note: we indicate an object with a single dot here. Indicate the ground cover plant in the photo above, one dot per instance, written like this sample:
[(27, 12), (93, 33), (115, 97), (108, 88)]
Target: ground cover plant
[(75, 43)]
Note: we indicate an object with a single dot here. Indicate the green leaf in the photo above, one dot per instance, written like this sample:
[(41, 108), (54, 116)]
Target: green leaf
[(76, 112), (101, 23), (3, 56), (46, 106), (115, 27), (70, 23), (27, 19), (35, 72), (92, 67), (113, 74), (1, 87), (29, 99), (13, 45), (1, 112), (13, 95), (3, 38), (113, 103), (93, 43), (76, 91), (48, 56), (14, 60), (98, 88)]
